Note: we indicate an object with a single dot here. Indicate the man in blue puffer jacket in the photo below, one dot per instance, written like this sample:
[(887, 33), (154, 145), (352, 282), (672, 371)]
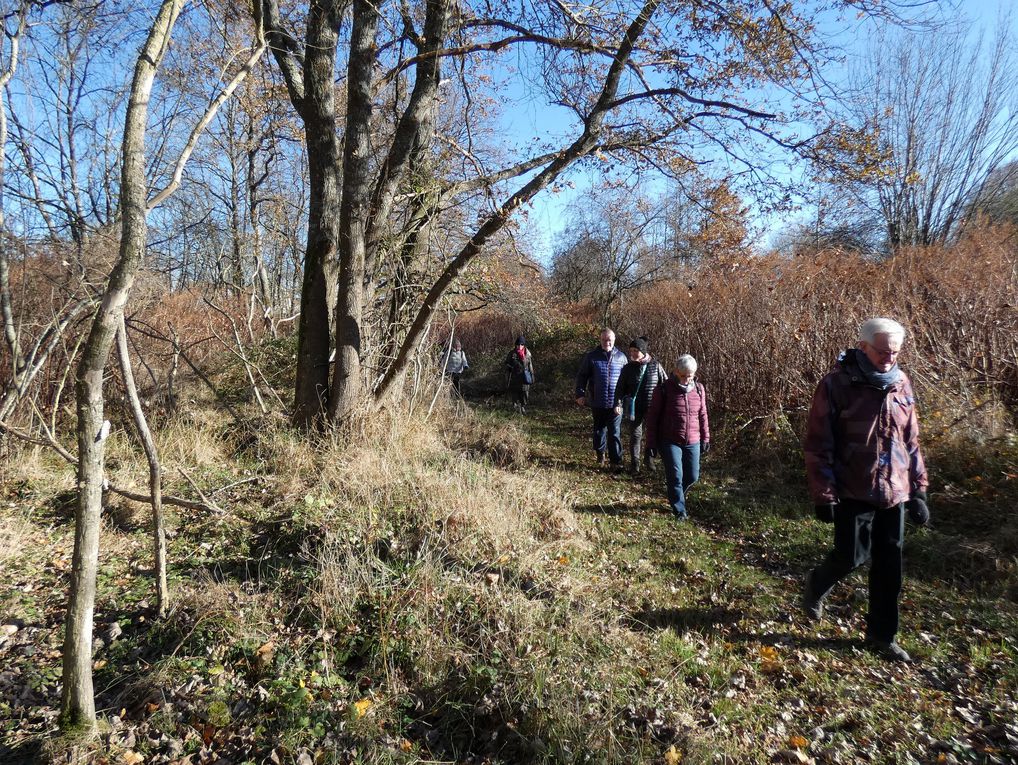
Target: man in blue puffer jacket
[(600, 369)]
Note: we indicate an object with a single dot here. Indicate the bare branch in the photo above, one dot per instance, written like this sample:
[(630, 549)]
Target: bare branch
[(199, 128)]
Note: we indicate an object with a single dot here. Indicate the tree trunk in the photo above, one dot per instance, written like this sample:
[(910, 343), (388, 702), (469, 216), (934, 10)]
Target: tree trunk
[(354, 210), (317, 108), (155, 481), (11, 334), (78, 702)]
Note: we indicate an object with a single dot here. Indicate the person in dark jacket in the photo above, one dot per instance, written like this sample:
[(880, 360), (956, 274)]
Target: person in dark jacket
[(519, 366), (600, 369), (864, 469), (633, 392), (677, 423)]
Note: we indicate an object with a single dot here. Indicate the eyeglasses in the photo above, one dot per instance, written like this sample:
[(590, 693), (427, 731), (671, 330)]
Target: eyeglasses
[(884, 352)]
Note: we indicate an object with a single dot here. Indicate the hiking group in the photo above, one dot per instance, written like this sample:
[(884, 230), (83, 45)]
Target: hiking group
[(864, 467), (672, 410)]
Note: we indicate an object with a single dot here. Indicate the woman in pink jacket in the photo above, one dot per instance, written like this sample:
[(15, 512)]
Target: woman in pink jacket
[(677, 426)]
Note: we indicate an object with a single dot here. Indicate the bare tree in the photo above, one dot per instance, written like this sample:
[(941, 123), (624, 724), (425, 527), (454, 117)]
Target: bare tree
[(945, 108), (10, 66), (78, 703), (27, 353), (998, 200), (612, 245), (67, 98), (622, 74)]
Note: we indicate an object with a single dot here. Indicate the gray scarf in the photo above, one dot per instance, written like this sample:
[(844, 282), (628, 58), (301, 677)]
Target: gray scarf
[(874, 376)]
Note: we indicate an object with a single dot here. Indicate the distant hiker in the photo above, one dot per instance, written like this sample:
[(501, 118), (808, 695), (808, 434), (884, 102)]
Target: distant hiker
[(864, 469), (454, 363), (678, 426), (600, 369), (519, 367), (633, 392)]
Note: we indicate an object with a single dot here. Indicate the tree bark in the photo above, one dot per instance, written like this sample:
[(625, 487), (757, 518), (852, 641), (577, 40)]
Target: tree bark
[(78, 702), (311, 90), (354, 210)]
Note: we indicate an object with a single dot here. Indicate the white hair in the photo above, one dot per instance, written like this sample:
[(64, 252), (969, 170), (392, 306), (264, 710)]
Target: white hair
[(870, 328), (685, 363)]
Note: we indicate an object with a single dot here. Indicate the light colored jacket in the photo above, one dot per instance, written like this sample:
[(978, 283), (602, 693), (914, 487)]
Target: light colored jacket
[(456, 362)]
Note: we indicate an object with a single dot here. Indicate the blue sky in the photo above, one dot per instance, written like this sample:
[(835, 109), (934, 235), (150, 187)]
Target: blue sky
[(547, 216)]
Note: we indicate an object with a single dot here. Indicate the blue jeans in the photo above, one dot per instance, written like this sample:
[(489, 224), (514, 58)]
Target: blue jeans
[(682, 469), (608, 433)]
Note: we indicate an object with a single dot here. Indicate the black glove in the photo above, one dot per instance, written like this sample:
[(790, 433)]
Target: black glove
[(918, 510), (704, 447), (825, 512)]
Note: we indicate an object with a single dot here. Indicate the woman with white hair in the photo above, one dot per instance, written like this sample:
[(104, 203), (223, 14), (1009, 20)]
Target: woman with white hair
[(678, 427)]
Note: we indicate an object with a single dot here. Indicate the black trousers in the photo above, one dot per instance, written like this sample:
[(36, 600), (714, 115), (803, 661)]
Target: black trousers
[(863, 532)]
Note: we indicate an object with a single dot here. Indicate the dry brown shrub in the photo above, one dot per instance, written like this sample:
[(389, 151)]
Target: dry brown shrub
[(487, 331), (766, 330), (204, 334), (46, 278)]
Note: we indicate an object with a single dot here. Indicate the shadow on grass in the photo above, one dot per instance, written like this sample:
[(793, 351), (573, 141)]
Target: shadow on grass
[(797, 641), (705, 621), (616, 509), (22, 753), (720, 621)]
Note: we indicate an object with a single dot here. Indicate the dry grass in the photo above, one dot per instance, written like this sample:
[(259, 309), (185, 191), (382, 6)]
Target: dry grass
[(36, 466), (221, 607), (16, 535)]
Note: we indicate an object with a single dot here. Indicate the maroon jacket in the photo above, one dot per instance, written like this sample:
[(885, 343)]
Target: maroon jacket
[(677, 417), (862, 442)]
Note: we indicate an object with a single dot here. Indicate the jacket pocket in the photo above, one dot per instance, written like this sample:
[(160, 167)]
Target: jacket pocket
[(901, 411)]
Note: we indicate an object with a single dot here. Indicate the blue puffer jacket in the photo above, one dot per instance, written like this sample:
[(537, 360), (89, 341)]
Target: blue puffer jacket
[(602, 371)]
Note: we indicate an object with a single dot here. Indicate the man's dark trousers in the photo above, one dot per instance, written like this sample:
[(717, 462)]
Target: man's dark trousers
[(861, 532), (608, 433)]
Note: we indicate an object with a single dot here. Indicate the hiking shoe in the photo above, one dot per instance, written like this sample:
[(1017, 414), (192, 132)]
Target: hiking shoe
[(812, 604), (601, 459), (888, 650)]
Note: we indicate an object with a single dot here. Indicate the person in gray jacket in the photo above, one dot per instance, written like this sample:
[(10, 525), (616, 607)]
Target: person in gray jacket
[(454, 363), (633, 392)]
